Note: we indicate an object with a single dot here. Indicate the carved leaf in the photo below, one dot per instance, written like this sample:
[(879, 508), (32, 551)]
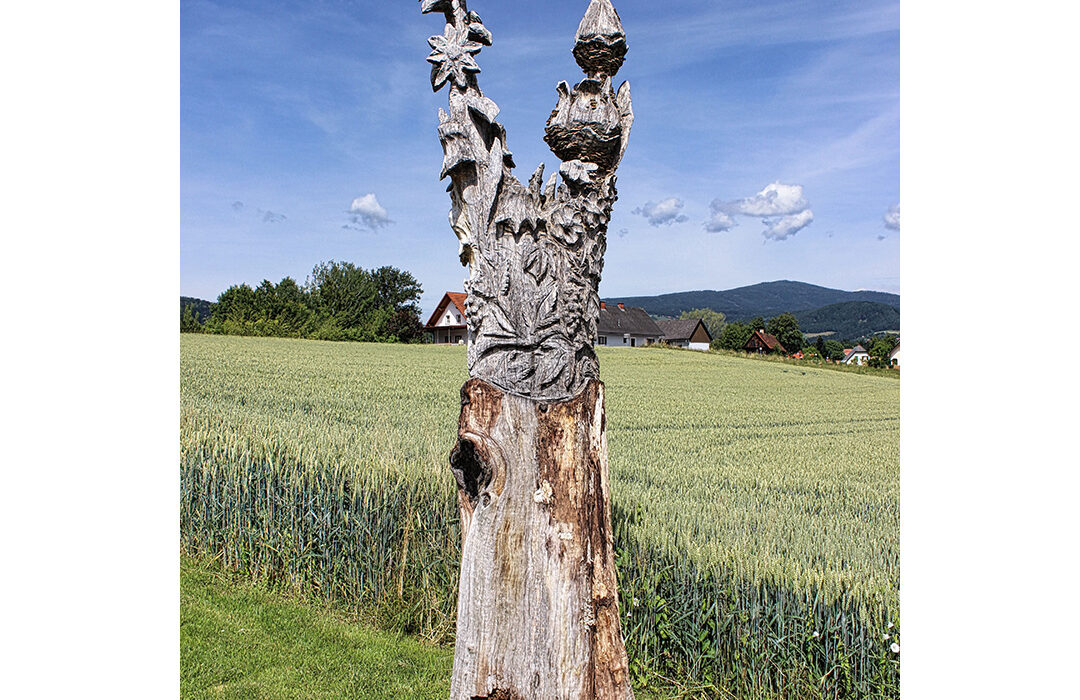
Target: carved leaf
[(502, 321)]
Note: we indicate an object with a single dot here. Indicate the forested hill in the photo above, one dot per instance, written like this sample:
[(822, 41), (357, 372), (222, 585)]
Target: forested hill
[(201, 307), (850, 319), (765, 299)]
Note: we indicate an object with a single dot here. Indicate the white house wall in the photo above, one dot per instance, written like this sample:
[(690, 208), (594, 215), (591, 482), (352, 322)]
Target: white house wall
[(619, 341), (699, 346), (452, 317)]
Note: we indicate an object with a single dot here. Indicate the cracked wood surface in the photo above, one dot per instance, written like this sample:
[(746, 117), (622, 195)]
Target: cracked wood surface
[(538, 610)]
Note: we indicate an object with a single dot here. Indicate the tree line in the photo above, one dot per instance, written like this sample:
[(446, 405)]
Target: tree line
[(734, 334), (785, 328), (339, 301)]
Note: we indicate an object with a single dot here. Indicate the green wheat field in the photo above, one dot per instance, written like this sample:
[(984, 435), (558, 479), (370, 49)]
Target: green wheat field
[(755, 504)]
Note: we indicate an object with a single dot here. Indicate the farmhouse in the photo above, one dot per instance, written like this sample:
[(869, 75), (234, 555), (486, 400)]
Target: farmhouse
[(856, 356), (447, 324), (623, 327), (763, 342), (686, 333), (894, 356)]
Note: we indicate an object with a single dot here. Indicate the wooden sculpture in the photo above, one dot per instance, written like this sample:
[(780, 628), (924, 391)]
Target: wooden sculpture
[(537, 608)]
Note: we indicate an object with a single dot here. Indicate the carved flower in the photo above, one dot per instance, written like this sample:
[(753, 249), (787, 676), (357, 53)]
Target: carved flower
[(452, 58)]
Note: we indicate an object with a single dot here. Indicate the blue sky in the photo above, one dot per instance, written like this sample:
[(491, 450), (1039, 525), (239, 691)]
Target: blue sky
[(766, 141)]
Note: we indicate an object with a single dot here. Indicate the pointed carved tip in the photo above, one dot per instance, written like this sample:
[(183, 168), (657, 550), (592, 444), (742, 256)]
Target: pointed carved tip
[(601, 41), (600, 19)]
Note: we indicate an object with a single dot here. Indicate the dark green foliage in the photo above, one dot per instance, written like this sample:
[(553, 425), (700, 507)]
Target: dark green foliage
[(882, 345), (834, 350), (880, 348), (785, 328), (201, 307), (713, 320), (853, 319), (189, 322), (764, 299), (340, 301), (734, 336)]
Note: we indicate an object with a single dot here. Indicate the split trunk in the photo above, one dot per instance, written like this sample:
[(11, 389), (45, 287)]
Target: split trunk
[(538, 613)]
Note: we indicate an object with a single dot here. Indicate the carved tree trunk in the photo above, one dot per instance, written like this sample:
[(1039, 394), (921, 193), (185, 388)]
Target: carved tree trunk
[(538, 613), (537, 609)]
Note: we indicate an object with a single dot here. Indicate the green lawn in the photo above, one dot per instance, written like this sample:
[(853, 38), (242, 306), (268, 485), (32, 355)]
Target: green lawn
[(242, 640), (239, 640)]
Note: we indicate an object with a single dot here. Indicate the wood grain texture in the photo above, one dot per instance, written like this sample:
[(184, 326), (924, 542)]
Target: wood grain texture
[(538, 611)]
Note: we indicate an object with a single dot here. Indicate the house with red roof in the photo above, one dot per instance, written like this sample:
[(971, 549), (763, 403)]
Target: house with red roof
[(447, 324), (763, 342)]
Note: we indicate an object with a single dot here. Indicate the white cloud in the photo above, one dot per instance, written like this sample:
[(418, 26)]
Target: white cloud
[(665, 212), (779, 229), (775, 200), (720, 221), (783, 211), (892, 217), (366, 212)]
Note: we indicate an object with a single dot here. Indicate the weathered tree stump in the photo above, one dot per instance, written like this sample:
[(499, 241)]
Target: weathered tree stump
[(537, 608), (538, 613)]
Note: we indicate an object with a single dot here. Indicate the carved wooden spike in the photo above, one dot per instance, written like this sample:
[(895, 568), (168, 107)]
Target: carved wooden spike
[(601, 43), (538, 614)]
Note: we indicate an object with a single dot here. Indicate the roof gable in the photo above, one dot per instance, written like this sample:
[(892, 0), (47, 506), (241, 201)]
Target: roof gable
[(682, 328), (455, 298), (768, 339)]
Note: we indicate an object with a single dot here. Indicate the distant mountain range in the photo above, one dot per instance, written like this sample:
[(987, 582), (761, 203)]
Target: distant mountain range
[(848, 315)]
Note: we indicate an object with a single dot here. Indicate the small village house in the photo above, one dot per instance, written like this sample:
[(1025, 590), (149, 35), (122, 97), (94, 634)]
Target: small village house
[(856, 356), (685, 333), (763, 342), (623, 327), (894, 356), (447, 324)]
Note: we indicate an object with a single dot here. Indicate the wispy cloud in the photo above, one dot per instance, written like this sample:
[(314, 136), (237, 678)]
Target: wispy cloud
[(892, 217), (783, 210), (366, 213), (663, 213), (265, 215)]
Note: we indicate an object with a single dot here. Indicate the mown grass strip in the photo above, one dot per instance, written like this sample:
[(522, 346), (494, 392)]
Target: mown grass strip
[(242, 640)]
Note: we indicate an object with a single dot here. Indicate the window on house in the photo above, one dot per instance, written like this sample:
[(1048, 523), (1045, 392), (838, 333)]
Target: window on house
[(602, 340)]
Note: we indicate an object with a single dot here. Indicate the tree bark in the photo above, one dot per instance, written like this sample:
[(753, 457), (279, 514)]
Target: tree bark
[(538, 613)]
